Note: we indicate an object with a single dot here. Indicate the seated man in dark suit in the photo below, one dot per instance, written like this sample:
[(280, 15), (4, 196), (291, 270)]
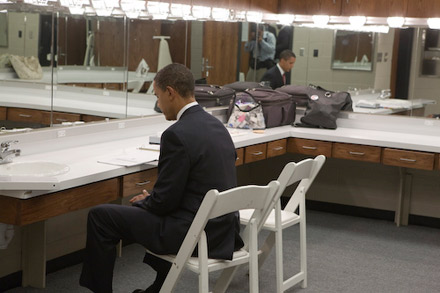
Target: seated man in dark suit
[(277, 75), (197, 154)]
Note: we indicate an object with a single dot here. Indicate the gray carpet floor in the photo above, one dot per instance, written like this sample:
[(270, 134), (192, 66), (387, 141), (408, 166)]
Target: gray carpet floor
[(345, 254)]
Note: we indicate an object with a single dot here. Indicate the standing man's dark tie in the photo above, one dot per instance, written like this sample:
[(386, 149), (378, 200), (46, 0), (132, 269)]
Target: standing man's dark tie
[(284, 78)]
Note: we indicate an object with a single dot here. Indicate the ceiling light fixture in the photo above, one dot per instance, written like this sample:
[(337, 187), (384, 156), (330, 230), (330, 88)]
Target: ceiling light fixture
[(357, 21), (286, 19), (395, 21), (434, 23), (254, 16), (320, 20)]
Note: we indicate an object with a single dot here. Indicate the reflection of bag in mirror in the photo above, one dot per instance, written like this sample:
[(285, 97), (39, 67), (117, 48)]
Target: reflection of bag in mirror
[(142, 68), (246, 113), (27, 67)]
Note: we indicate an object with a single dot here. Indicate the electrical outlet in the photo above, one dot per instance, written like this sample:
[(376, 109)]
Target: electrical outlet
[(61, 133), (121, 125)]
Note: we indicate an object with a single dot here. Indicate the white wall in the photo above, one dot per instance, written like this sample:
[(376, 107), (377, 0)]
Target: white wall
[(423, 87), (29, 25), (317, 70)]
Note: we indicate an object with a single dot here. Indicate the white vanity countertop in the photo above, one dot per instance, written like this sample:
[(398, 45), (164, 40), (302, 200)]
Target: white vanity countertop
[(83, 147)]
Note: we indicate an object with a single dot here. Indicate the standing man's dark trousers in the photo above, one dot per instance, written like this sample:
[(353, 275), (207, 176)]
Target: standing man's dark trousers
[(109, 223)]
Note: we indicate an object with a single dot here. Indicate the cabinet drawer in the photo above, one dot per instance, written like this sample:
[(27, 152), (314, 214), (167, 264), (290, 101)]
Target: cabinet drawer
[(59, 117), (255, 153), (409, 159), (2, 113), (240, 157), (309, 147), (25, 115), (356, 152), (276, 148), (90, 118), (27, 211), (133, 184)]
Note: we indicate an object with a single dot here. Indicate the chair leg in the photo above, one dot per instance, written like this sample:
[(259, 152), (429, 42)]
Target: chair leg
[(266, 249), (253, 261), (279, 261), (303, 249), (225, 279), (203, 264)]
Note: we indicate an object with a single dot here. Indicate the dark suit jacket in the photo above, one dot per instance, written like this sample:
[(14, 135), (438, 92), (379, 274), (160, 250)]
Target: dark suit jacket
[(275, 78), (197, 154)]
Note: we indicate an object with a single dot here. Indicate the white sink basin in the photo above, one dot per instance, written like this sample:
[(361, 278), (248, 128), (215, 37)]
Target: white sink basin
[(33, 169)]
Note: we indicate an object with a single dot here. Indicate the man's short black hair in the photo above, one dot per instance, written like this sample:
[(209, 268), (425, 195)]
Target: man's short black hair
[(178, 77), (287, 54)]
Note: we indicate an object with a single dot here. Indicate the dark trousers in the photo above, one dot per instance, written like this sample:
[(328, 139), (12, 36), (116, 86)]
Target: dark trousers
[(106, 225)]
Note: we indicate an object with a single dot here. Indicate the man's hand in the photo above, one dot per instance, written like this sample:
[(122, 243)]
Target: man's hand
[(141, 196)]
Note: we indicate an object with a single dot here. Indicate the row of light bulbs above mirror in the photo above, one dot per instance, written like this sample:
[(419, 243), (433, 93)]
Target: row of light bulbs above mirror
[(139, 9)]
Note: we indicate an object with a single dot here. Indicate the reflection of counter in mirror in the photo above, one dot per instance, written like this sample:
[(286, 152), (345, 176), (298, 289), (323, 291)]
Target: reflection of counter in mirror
[(30, 103)]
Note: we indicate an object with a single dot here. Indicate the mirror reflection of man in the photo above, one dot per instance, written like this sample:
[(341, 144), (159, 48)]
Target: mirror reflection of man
[(262, 48), (278, 75)]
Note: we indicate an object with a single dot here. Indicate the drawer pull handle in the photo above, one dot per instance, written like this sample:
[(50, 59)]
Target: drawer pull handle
[(25, 115), (356, 153), (309, 147), (238, 158), (257, 153), (143, 183), (408, 160), (278, 148)]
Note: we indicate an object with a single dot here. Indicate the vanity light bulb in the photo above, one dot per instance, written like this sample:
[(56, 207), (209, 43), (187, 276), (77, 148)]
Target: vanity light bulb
[(201, 12), (357, 21), (434, 23), (395, 21), (286, 19), (254, 16), (220, 14), (321, 20), (158, 8), (180, 10)]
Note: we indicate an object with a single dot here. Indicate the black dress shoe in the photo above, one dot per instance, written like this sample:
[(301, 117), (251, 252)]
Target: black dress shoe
[(138, 291)]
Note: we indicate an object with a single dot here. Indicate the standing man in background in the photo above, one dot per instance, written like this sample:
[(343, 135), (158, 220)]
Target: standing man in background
[(277, 75), (196, 155), (262, 48)]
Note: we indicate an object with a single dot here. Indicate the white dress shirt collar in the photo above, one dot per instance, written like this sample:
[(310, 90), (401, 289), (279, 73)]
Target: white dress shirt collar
[(280, 69), (187, 106)]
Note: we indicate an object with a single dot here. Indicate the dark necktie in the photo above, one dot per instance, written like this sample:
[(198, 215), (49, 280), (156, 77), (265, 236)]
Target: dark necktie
[(284, 78)]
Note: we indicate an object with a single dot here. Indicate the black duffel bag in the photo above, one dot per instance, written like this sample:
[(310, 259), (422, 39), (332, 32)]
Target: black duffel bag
[(213, 95), (299, 93), (323, 107), (241, 86), (278, 108)]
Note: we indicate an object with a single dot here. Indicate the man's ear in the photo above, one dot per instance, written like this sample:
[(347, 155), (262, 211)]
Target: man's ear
[(172, 92)]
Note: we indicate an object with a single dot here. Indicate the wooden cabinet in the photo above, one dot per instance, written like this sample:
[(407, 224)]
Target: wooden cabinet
[(255, 153), (59, 117), (356, 152), (27, 211), (240, 157), (264, 6), (2, 113), (409, 159), (276, 148), (309, 147), (311, 7), (25, 115), (90, 118), (378, 8), (423, 8), (133, 184)]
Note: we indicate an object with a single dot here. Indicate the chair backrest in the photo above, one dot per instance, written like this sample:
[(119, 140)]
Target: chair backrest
[(304, 171), (215, 204)]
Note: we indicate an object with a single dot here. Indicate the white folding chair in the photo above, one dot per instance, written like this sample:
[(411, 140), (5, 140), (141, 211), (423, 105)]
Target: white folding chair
[(305, 172), (215, 204)]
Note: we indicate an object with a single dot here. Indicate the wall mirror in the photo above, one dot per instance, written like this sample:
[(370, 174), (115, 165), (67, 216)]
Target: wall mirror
[(353, 50), (117, 46)]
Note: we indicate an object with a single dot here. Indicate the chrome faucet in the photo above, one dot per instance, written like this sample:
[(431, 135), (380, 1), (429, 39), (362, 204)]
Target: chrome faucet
[(6, 154)]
